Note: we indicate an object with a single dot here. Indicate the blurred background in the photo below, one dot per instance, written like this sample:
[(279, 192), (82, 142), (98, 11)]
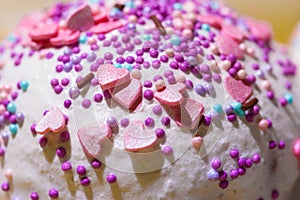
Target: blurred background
[(282, 14)]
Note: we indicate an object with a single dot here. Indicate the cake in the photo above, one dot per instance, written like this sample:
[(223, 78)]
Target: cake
[(147, 100)]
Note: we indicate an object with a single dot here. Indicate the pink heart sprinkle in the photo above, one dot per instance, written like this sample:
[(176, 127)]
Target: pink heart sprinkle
[(81, 20), (106, 27), (233, 32), (128, 95), (52, 121), (109, 76), (92, 138), (212, 20), (43, 31), (137, 138), (237, 89), (260, 29), (101, 16), (171, 95), (227, 45), (190, 113), (65, 37)]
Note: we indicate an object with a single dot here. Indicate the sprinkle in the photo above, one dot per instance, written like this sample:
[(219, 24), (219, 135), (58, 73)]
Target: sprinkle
[(272, 144), (234, 173), (167, 150), (5, 186), (234, 153), (53, 193), (80, 169), (24, 85), (289, 98), (111, 178), (96, 164), (13, 129), (223, 184), (296, 148), (158, 24), (249, 104), (66, 166), (197, 142), (212, 175), (215, 163), (86, 103), (85, 181), (124, 122), (85, 80), (34, 196), (255, 158), (61, 152)]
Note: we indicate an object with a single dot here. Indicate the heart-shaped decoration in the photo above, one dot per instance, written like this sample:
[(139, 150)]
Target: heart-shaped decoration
[(190, 113), (92, 137), (238, 90), (137, 138), (44, 31), (233, 32), (171, 95), (128, 95), (106, 27), (212, 20), (100, 16), (65, 37), (226, 45), (109, 76), (52, 121), (260, 29), (81, 19)]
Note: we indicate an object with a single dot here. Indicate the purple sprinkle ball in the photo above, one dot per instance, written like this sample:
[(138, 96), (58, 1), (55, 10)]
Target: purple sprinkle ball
[(81, 170), (43, 141), (124, 122), (223, 184), (165, 121), (215, 163), (222, 175), (85, 181), (53, 193), (275, 194), (281, 144), (234, 173), (242, 171), (66, 166), (98, 98), (234, 153), (111, 178), (5, 186), (160, 133), (255, 158), (64, 136), (96, 164), (61, 152), (34, 196), (149, 122), (167, 150)]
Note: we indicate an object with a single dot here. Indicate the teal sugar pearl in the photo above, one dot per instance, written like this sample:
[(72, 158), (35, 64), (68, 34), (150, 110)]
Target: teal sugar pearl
[(177, 6), (117, 65), (240, 113), (205, 27), (175, 40), (218, 108), (82, 39), (289, 98), (24, 85), (236, 107), (146, 37), (11, 107), (128, 67), (13, 128)]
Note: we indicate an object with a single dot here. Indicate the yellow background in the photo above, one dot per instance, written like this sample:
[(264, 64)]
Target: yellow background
[(283, 14)]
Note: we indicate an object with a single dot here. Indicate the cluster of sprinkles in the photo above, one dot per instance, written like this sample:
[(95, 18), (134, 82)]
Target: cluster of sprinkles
[(200, 39)]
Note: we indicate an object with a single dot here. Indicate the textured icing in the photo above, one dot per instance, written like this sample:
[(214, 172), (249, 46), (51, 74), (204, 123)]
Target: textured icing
[(150, 174)]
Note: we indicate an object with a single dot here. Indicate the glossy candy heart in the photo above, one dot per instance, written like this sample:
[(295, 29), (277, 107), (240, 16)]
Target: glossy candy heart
[(92, 137), (212, 20), (109, 76), (128, 95), (190, 113), (52, 121), (227, 45), (137, 138), (106, 27), (65, 37), (237, 89), (171, 95), (81, 19), (233, 32), (43, 31), (260, 29)]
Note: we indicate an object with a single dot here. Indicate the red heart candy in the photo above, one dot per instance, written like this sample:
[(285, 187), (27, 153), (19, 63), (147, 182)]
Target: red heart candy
[(128, 95), (109, 76), (100, 16), (137, 138), (227, 45), (52, 121), (65, 37), (106, 27), (81, 19), (92, 137), (171, 95), (237, 89), (43, 31)]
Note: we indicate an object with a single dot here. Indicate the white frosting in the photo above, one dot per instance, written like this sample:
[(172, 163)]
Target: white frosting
[(181, 176)]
